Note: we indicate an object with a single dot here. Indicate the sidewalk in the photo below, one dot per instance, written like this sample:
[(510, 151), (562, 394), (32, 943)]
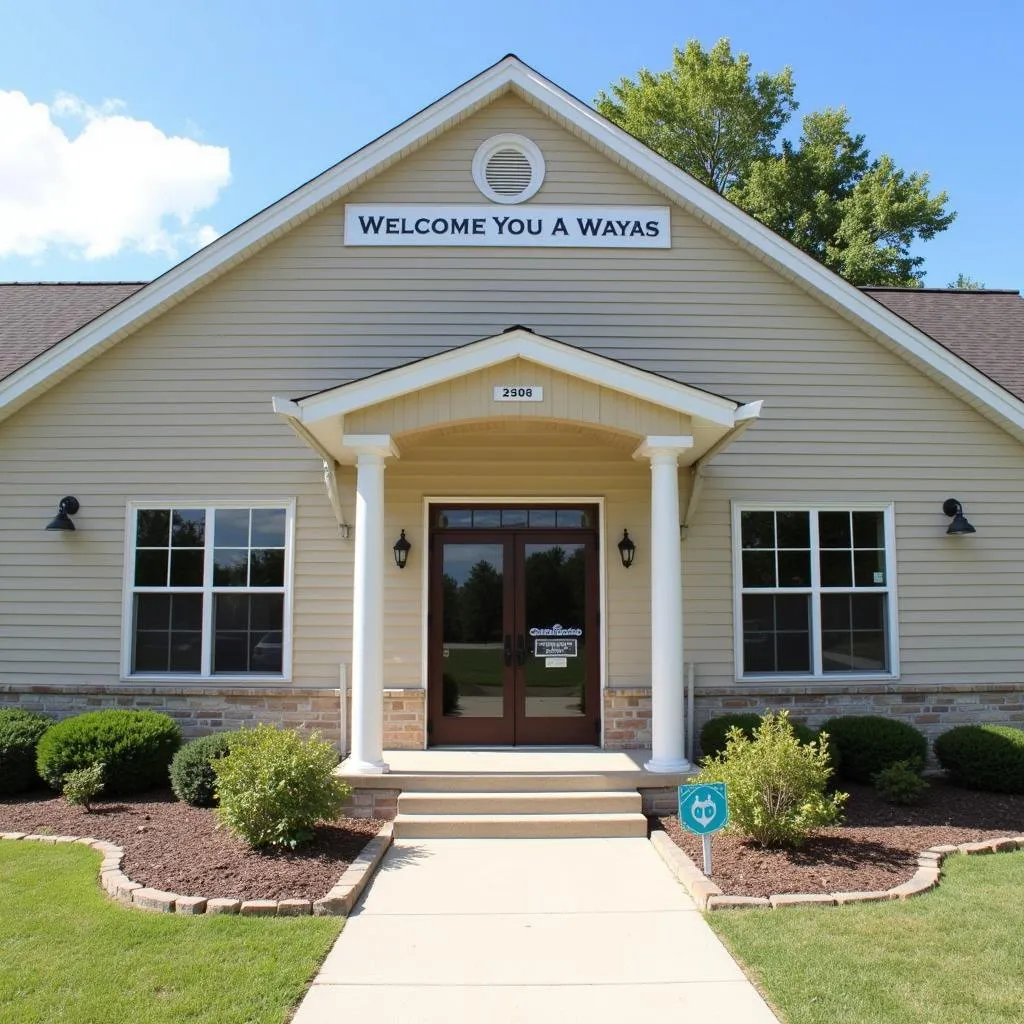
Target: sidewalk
[(528, 930)]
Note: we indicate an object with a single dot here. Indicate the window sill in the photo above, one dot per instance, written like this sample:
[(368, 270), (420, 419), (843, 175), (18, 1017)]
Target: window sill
[(250, 679), (837, 678)]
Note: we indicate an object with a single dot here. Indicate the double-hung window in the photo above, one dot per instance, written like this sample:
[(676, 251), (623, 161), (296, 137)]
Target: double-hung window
[(815, 594), (208, 590)]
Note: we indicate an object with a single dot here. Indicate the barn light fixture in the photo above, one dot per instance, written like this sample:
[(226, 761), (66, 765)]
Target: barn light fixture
[(401, 550), (959, 526), (627, 550), (65, 510)]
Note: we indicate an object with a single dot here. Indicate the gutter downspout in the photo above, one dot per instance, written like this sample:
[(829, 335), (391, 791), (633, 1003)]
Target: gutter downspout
[(745, 416)]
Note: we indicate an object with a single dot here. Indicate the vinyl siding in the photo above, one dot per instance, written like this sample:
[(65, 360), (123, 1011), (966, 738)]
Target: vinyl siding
[(182, 409)]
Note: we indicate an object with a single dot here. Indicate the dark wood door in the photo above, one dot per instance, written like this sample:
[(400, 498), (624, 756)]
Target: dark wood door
[(514, 637)]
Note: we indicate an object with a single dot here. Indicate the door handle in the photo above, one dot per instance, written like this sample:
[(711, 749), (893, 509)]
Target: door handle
[(508, 648), (520, 650)]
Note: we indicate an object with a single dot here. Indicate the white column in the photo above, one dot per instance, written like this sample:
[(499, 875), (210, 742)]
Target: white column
[(667, 691), (367, 725)]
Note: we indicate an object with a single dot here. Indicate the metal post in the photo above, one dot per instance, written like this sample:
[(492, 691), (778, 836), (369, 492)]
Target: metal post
[(707, 855)]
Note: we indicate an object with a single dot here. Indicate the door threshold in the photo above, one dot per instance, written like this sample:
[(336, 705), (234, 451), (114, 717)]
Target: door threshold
[(536, 748)]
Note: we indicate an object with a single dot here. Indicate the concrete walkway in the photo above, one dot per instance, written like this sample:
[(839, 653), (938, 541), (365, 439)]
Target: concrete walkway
[(528, 930)]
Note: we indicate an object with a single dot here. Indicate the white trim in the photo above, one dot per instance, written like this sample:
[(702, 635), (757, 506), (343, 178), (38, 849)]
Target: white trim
[(655, 445), (128, 590), (529, 500), (514, 344), (889, 515), (509, 73), (519, 143)]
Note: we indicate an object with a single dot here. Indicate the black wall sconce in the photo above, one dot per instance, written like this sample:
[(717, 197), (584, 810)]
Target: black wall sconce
[(401, 549), (65, 510), (959, 526), (627, 550)]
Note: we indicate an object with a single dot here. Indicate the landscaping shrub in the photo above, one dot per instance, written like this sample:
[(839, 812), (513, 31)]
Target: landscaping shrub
[(274, 786), (900, 782), (713, 734), (135, 746), (869, 743), (19, 734), (984, 757), (775, 784), (83, 784), (192, 777)]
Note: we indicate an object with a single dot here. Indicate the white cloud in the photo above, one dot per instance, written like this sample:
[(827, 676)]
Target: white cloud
[(116, 184)]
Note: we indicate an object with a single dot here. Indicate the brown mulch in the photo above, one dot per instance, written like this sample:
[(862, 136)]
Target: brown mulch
[(171, 846), (876, 848)]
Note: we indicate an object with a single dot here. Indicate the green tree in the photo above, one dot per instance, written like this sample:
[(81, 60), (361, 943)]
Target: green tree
[(707, 114), (965, 283), (824, 193)]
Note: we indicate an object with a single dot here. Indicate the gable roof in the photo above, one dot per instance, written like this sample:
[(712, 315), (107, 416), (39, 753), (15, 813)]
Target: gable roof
[(986, 328), (511, 74), (34, 317)]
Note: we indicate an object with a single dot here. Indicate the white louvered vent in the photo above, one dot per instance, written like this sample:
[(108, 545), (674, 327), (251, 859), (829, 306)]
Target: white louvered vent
[(508, 169), (508, 172)]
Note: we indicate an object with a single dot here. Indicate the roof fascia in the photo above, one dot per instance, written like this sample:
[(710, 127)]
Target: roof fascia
[(515, 344)]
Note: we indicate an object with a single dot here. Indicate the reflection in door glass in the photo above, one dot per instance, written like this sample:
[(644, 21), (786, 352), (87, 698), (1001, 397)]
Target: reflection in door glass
[(472, 652), (555, 630)]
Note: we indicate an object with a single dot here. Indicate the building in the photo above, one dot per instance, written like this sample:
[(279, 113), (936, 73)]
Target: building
[(506, 427)]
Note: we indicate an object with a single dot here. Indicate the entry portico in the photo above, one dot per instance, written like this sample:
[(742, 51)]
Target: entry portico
[(530, 390)]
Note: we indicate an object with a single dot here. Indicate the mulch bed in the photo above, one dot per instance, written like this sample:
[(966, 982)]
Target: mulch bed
[(171, 846), (876, 848)]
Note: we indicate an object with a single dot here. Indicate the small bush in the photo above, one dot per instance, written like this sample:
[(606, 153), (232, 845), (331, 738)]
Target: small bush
[(20, 732), (775, 784), (136, 747), (900, 782), (192, 777), (274, 786), (869, 743), (83, 784), (984, 757), (713, 734)]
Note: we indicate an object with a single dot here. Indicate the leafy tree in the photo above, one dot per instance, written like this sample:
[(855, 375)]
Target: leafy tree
[(965, 283), (824, 193), (706, 114)]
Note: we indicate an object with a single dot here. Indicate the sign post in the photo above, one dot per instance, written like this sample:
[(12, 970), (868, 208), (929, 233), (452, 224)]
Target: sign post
[(703, 810)]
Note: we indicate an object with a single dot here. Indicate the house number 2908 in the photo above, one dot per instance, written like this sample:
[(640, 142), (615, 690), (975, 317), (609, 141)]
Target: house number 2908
[(518, 393)]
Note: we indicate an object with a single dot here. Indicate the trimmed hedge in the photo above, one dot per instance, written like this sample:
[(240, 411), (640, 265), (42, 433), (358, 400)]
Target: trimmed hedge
[(192, 777), (868, 743), (135, 746), (984, 757), (20, 732)]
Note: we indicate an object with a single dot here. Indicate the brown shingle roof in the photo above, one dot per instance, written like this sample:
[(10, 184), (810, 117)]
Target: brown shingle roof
[(986, 328), (34, 317)]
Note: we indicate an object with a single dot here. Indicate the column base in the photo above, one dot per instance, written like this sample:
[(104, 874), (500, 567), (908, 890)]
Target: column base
[(664, 767), (353, 766)]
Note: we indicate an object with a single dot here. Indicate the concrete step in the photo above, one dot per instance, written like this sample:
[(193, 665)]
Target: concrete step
[(507, 782), (579, 802), (520, 826)]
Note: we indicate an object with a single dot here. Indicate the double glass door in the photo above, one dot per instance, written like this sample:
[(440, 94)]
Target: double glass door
[(514, 652)]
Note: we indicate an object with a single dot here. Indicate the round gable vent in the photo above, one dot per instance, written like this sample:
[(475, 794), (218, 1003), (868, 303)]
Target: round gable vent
[(508, 169)]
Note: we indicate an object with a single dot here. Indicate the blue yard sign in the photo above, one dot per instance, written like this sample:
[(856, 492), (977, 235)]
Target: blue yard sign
[(703, 809)]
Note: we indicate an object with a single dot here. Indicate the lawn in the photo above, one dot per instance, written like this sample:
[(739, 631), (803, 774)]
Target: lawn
[(69, 954), (953, 955)]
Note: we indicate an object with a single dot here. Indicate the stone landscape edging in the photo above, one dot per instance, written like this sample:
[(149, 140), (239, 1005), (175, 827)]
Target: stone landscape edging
[(337, 903), (708, 896)]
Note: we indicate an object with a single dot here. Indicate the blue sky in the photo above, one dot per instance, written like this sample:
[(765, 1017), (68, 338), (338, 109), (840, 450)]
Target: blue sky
[(282, 91)]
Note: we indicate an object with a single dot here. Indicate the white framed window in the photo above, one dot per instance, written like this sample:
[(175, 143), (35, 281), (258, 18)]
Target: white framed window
[(208, 590), (508, 168), (814, 591)]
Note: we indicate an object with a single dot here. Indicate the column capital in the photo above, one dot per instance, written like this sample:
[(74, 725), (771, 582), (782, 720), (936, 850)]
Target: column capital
[(661, 446), (370, 447)]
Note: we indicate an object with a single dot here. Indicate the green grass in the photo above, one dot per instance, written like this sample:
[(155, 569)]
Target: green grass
[(953, 956), (69, 954)]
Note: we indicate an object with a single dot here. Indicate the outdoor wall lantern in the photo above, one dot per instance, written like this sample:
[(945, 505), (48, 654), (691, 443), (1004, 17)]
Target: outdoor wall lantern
[(627, 550), (401, 550), (65, 510), (959, 526)]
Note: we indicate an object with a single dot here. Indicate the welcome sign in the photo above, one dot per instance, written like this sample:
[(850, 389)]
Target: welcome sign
[(593, 227)]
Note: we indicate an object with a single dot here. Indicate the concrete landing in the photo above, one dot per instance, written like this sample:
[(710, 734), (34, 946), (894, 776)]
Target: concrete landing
[(526, 930)]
